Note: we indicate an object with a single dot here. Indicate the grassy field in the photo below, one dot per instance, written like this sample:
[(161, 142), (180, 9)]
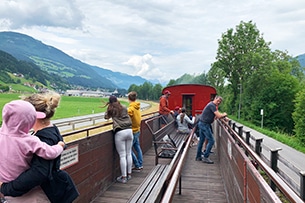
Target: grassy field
[(78, 106), (69, 106)]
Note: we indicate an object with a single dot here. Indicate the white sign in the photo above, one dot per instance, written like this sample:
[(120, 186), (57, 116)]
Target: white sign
[(262, 112), (69, 157)]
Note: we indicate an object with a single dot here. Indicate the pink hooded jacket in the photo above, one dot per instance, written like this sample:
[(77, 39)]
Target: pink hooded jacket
[(17, 145)]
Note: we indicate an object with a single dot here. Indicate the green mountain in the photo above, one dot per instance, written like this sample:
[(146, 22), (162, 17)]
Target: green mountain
[(56, 62), (301, 59), (15, 72)]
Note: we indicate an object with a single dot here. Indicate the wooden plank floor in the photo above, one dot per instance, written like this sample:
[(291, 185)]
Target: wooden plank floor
[(201, 182)]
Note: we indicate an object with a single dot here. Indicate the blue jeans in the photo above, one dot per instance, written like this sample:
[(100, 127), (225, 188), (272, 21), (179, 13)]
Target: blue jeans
[(205, 132), (137, 160)]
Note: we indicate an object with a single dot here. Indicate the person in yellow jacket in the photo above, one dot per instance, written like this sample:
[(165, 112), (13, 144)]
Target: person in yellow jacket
[(134, 112)]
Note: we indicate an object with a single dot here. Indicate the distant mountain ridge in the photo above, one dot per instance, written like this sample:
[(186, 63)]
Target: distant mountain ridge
[(301, 59), (52, 60)]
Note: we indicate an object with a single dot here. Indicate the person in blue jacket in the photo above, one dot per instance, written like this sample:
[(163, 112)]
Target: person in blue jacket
[(39, 172)]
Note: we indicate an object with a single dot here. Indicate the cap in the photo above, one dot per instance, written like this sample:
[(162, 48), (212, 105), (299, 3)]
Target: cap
[(177, 108), (40, 115), (167, 92)]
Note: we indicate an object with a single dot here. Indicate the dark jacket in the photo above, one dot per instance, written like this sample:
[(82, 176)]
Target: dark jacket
[(120, 122)]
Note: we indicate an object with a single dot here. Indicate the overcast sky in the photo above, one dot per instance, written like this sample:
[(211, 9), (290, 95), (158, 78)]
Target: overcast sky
[(155, 39)]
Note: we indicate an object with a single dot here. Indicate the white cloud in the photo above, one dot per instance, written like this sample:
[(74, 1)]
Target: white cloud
[(160, 39), (145, 67), (55, 13)]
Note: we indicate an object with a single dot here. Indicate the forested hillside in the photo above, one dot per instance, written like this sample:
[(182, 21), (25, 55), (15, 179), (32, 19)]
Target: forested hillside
[(56, 62), (29, 72)]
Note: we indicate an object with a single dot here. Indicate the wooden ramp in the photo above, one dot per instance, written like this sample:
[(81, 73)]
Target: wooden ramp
[(201, 182)]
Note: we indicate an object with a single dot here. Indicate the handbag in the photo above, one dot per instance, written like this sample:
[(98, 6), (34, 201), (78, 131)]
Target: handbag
[(60, 187)]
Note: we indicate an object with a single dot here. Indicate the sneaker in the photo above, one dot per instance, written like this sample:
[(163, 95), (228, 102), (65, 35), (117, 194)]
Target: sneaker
[(137, 169), (3, 200), (207, 160), (211, 152), (128, 177), (198, 159), (121, 179), (141, 167)]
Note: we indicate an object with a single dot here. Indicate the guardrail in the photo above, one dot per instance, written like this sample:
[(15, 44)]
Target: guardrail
[(94, 118), (87, 130), (75, 121)]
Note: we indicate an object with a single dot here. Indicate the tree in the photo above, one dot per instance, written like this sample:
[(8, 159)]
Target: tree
[(256, 78), (216, 78), (201, 79), (147, 91), (298, 116), (157, 91), (4, 88), (171, 82), (238, 55)]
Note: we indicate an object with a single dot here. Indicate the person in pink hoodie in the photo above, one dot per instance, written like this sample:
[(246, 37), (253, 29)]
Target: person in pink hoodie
[(18, 146)]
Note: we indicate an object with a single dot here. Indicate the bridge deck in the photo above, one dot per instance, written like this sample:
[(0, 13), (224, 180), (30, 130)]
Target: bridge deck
[(200, 182)]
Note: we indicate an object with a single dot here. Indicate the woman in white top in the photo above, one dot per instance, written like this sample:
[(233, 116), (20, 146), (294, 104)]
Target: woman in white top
[(184, 121)]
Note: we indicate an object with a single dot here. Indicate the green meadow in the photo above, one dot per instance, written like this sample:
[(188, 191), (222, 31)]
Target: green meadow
[(69, 106)]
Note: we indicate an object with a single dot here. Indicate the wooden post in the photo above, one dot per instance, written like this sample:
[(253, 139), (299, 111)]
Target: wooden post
[(258, 147), (240, 131), (273, 162), (248, 137), (302, 185)]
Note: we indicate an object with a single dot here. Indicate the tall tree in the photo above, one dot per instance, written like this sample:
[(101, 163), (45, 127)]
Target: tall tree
[(157, 91), (240, 53), (146, 90)]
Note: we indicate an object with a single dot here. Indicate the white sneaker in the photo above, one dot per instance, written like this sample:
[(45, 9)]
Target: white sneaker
[(207, 160), (121, 179)]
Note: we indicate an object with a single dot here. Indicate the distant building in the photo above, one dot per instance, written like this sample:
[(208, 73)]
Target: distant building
[(87, 93), (116, 93), (18, 75)]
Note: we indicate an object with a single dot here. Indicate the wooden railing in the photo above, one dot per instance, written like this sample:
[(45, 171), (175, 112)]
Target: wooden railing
[(170, 190), (275, 160), (276, 180), (94, 163), (91, 165)]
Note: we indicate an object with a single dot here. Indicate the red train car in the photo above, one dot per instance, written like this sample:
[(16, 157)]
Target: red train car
[(193, 97)]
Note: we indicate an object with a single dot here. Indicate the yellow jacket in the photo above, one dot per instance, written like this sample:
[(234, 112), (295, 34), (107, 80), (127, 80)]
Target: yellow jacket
[(135, 115)]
